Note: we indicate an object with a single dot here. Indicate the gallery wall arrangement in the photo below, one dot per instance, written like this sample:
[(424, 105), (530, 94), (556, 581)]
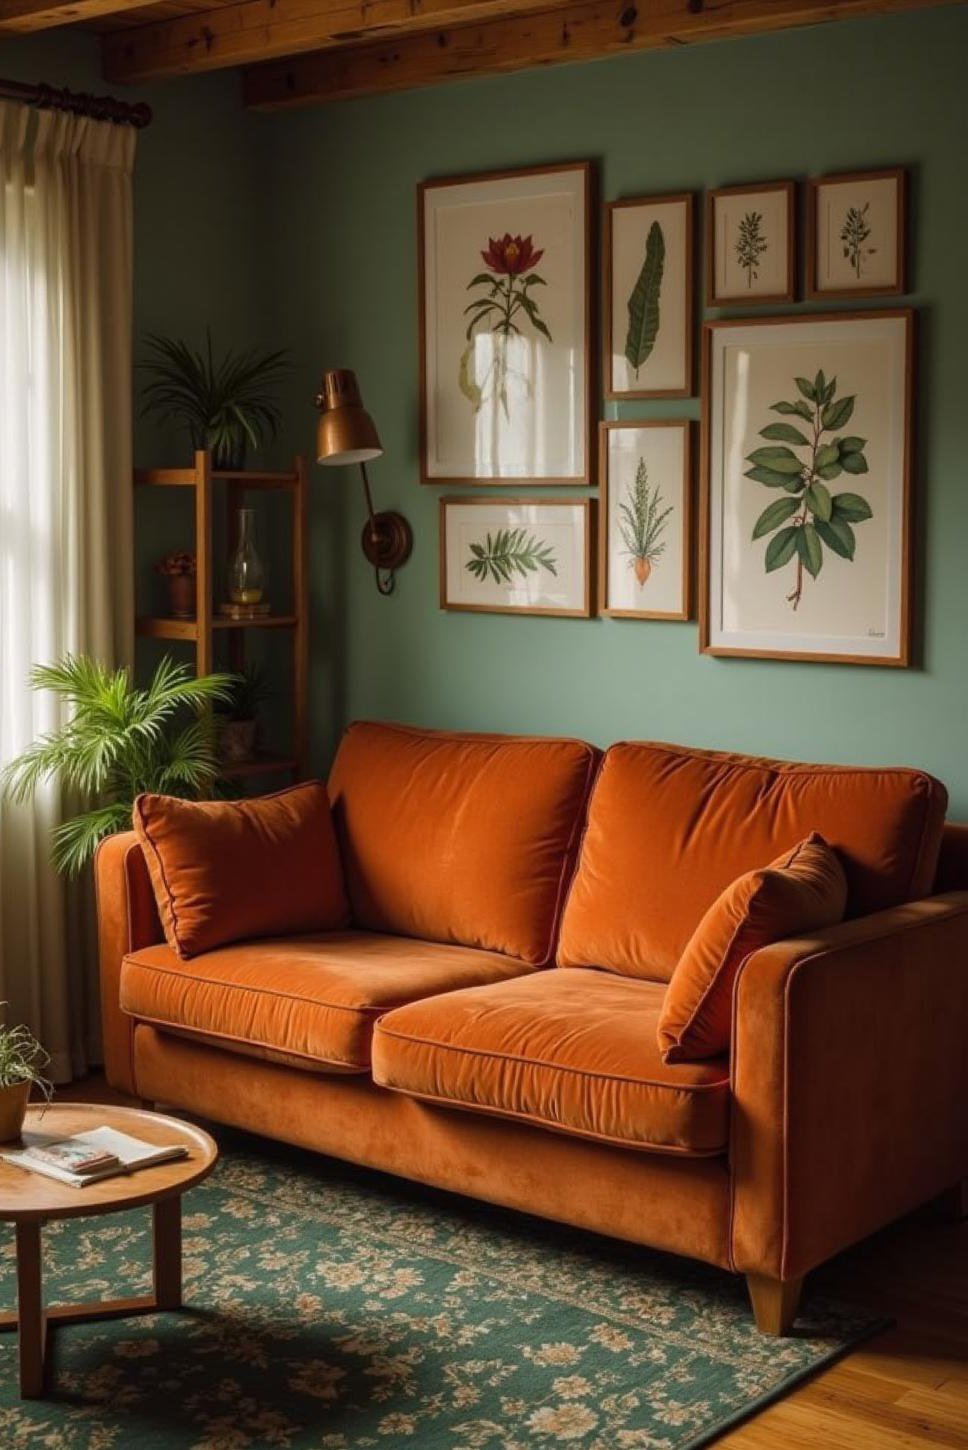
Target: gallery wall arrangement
[(804, 489)]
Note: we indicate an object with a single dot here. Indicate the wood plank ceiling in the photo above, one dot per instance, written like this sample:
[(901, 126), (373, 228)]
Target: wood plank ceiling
[(303, 52)]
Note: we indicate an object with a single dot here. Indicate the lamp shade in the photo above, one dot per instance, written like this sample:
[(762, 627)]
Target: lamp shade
[(345, 433)]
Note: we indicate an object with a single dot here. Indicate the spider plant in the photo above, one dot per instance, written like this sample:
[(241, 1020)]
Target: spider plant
[(22, 1059), (118, 742), (226, 404)]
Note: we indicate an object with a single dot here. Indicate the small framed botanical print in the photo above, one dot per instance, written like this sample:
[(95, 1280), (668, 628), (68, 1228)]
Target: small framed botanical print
[(645, 544), (505, 308), (750, 245), (856, 226), (806, 487), (648, 297), (516, 555)]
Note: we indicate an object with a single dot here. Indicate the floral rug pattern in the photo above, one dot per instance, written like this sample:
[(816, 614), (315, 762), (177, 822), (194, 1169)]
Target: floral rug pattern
[(330, 1309)]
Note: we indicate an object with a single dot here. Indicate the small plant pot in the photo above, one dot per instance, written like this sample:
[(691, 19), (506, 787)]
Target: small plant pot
[(13, 1106), (237, 741), (181, 596)]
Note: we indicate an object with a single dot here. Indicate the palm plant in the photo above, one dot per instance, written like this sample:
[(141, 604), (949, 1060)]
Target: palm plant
[(225, 404), (118, 742)]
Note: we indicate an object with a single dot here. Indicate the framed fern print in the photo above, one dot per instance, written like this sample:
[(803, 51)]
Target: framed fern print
[(648, 297), (856, 227), (516, 555), (806, 487), (645, 546), (751, 245), (505, 308)]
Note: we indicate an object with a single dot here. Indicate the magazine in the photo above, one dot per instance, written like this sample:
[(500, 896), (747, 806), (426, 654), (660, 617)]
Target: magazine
[(118, 1152)]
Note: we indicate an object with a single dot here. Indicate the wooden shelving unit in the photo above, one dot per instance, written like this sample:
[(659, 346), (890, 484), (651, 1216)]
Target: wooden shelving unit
[(207, 625)]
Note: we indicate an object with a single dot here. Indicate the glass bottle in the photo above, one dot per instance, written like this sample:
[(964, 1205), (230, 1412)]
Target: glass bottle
[(246, 574)]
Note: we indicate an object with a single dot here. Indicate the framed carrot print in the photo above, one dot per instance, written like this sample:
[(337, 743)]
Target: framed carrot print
[(645, 543), (806, 487), (648, 297), (856, 227), (516, 555), (505, 303), (751, 244)]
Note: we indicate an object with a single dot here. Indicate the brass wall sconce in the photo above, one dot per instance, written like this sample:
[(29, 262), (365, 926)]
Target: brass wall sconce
[(347, 434)]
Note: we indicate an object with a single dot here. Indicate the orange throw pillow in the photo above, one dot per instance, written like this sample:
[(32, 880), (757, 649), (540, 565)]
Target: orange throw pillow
[(802, 890), (224, 871)]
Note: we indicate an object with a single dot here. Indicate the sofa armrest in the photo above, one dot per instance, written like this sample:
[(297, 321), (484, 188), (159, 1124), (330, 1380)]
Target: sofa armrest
[(127, 920), (850, 1082)]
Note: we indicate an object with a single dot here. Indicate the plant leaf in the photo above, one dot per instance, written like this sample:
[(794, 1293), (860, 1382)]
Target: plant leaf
[(781, 549), (851, 445), (810, 549), (835, 415), (851, 507), (818, 500), (773, 515), (784, 433), (780, 460), (828, 454), (854, 463), (769, 476), (799, 409), (807, 389), (830, 471), (837, 535), (643, 303)]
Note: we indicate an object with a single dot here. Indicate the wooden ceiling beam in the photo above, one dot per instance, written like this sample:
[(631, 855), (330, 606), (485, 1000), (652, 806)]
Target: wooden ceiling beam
[(258, 30), (19, 17), (579, 30)]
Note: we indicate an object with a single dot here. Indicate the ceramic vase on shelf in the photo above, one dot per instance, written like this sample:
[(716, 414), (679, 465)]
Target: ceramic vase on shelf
[(246, 575)]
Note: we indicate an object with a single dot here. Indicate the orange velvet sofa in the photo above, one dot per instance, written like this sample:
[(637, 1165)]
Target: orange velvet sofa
[(487, 1023)]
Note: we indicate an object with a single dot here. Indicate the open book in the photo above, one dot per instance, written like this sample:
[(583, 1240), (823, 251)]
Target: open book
[(92, 1156)]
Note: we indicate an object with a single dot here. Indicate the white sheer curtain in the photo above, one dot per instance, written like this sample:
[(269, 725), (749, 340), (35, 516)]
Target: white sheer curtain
[(65, 512)]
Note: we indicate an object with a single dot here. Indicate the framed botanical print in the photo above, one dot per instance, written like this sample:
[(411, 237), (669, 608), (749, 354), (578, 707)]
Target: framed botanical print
[(750, 245), (856, 227), (645, 542), (806, 487), (648, 297), (516, 555), (505, 302)]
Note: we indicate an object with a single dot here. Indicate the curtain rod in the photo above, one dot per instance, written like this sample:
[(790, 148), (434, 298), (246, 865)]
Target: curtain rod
[(80, 103)]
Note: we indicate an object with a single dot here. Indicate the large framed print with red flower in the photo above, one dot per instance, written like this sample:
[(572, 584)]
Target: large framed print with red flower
[(505, 300)]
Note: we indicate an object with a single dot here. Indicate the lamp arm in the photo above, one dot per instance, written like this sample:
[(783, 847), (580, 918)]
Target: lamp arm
[(374, 534)]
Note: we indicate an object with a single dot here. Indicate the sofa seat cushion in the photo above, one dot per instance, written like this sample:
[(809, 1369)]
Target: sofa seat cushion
[(462, 838), (309, 1000), (572, 1051), (670, 828)]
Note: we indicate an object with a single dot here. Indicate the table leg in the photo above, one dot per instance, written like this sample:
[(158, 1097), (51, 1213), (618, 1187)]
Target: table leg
[(168, 1253), (30, 1310)]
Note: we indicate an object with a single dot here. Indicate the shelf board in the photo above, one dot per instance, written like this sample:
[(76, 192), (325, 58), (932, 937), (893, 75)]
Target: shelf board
[(165, 477), (265, 763), (187, 478), (254, 478), (161, 627)]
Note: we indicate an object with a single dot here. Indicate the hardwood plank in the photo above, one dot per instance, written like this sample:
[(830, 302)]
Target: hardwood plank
[(257, 30), (577, 31), (19, 17)]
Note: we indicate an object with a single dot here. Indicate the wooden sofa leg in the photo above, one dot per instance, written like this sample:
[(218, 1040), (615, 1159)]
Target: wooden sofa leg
[(953, 1203), (774, 1303)]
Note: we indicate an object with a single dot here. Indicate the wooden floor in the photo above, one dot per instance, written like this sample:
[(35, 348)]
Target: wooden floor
[(906, 1388)]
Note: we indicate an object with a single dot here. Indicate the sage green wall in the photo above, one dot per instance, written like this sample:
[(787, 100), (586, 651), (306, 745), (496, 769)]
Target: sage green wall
[(342, 277)]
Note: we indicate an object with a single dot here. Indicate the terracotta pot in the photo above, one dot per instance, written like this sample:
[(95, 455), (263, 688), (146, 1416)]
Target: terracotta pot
[(181, 595), (237, 741), (13, 1105)]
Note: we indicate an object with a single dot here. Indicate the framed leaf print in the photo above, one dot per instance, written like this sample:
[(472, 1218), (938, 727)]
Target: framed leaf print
[(750, 245), (505, 302), (645, 545), (856, 227), (806, 487), (516, 555), (648, 297)]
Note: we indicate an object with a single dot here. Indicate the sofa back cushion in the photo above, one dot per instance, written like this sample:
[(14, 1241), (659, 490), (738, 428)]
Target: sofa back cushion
[(460, 838), (223, 871), (669, 828)]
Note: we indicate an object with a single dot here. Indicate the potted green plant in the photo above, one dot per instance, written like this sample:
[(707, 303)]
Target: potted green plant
[(178, 569), (119, 741), (226, 405), (238, 715), (22, 1060)]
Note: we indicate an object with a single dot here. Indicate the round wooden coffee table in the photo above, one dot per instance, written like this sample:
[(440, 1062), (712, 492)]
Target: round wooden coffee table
[(29, 1199)]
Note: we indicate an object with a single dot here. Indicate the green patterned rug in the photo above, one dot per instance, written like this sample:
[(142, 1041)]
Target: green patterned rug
[(332, 1309)]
